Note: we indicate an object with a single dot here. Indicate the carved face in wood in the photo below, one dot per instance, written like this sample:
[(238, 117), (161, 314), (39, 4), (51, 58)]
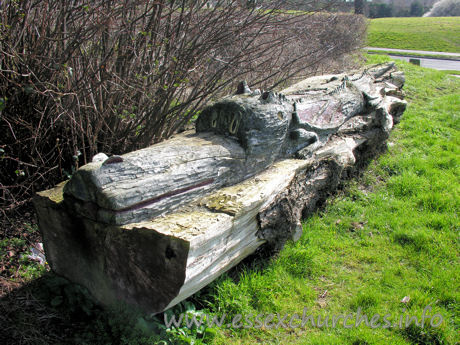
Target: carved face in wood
[(223, 118), (260, 126)]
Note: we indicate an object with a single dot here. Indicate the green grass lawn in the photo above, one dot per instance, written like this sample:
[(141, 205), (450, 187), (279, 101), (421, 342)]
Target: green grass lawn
[(391, 233), (433, 34)]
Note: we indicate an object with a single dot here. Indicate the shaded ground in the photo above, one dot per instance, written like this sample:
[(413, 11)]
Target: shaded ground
[(50, 310), (18, 234)]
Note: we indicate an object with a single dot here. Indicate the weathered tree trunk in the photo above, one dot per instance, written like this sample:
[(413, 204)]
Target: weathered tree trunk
[(152, 227)]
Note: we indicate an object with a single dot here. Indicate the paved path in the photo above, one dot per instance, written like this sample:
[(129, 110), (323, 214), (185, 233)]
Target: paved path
[(414, 51), (438, 64)]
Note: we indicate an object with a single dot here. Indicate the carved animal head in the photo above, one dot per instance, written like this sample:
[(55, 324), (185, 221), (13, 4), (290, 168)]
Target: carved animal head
[(259, 122)]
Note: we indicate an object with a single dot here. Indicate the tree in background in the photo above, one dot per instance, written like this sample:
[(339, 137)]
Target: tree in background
[(359, 6), (380, 10), (445, 8), (416, 9)]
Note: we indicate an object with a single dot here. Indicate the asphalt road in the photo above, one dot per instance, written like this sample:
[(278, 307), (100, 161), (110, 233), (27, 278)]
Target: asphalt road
[(439, 64), (425, 52)]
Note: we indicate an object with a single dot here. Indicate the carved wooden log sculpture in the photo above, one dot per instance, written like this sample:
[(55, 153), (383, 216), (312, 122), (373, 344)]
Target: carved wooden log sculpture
[(153, 226)]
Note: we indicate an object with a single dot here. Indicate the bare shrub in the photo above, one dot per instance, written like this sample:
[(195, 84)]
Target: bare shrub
[(80, 77)]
